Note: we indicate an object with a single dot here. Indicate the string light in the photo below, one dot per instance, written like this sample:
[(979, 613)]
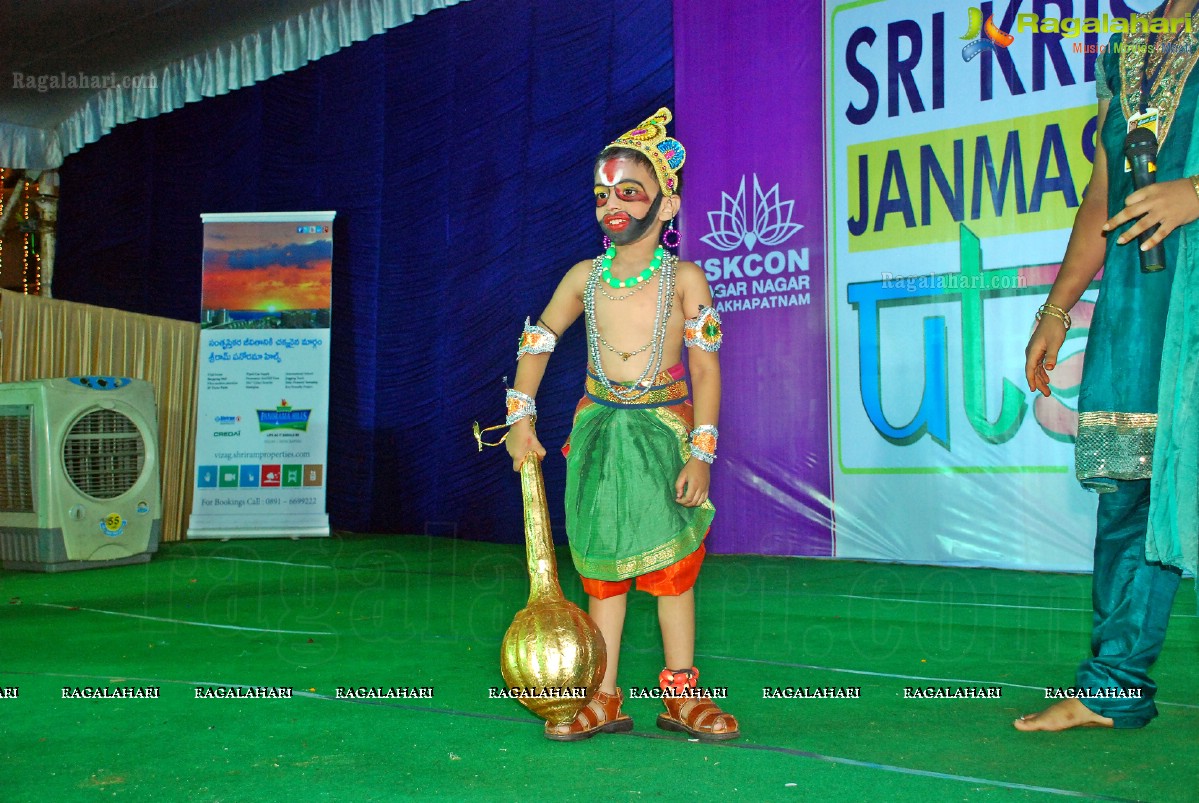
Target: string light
[(31, 257), (37, 246), (25, 239)]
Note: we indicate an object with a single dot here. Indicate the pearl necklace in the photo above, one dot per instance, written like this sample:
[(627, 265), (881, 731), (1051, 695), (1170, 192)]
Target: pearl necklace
[(665, 301)]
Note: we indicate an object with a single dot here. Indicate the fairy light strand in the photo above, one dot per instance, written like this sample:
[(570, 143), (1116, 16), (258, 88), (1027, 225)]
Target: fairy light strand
[(37, 245), (25, 238)]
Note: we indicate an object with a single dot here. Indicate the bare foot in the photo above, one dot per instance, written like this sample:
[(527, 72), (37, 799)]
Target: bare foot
[(1062, 716)]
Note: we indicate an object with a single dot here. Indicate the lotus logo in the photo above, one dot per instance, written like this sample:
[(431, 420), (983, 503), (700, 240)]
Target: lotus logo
[(771, 223)]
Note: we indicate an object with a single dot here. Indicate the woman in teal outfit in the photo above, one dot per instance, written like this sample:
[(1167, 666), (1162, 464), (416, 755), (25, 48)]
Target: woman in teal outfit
[(1137, 437)]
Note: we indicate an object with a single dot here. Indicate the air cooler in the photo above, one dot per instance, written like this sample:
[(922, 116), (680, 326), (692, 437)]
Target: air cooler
[(79, 484)]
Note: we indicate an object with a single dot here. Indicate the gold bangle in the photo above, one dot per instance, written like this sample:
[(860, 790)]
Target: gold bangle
[(1054, 311), (1195, 185), (1055, 308)]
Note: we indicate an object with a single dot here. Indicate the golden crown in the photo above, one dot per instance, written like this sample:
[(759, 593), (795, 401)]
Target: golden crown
[(665, 153)]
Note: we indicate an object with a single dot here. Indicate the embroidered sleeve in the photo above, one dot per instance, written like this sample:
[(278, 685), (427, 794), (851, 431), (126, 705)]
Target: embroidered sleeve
[(535, 339), (1102, 89), (703, 330)]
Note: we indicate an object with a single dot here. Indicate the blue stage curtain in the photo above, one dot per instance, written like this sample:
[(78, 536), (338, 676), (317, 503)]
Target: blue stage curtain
[(457, 152)]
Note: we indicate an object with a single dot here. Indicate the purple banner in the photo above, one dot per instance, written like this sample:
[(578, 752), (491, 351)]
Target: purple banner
[(748, 108)]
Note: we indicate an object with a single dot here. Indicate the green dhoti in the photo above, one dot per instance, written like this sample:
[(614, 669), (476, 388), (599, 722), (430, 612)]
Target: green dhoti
[(622, 519)]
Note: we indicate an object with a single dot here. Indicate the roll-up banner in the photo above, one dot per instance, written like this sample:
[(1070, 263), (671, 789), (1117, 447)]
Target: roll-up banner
[(747, 108), (263, 409)]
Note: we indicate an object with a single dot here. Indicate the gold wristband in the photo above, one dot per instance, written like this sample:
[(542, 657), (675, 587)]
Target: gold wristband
[(1195, 185), (1054, 311)]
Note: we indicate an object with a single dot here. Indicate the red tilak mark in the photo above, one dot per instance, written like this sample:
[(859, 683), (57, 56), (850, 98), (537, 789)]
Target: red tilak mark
[(610, 171)]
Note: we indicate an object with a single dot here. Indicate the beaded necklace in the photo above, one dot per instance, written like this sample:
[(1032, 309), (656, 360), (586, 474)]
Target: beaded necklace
[(629, 294), (632, 281), (657, 341), (624, 355)]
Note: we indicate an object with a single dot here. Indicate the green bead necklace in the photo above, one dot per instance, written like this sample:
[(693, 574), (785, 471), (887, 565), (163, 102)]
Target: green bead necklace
[(632, 281)]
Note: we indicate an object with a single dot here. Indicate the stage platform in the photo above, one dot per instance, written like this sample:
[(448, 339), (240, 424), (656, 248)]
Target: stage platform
[(424, 617)]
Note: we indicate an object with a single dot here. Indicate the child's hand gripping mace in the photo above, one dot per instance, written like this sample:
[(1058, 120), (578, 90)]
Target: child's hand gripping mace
[(552, 651)]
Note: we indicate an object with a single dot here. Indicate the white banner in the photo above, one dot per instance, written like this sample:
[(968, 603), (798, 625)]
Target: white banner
[(959, 143), (263, 409)]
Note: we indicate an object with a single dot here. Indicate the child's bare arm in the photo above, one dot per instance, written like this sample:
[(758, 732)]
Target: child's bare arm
[(704, 365), (691, 487), (564, 308)]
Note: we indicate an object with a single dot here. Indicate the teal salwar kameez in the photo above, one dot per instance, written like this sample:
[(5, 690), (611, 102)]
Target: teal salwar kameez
[(1129, 390)]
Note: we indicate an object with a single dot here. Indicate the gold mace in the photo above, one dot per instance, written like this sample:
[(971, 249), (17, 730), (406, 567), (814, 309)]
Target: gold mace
[(553, 652)]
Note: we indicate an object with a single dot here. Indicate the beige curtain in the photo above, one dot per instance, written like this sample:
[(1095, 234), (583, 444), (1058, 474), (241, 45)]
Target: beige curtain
[(41, 338)]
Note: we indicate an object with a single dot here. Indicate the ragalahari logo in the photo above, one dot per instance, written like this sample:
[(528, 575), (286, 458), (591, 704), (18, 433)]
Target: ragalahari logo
[(732, 226), (985, 35)]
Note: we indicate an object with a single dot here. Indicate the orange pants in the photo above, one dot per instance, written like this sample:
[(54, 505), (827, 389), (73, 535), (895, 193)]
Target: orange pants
[(671, 581)]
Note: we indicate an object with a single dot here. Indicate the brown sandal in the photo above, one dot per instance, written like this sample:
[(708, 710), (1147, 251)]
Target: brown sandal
[(600, 715), (697, 717), (693, 713)]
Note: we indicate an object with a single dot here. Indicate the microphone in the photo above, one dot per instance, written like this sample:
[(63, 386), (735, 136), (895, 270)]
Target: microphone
[(1140, 148)]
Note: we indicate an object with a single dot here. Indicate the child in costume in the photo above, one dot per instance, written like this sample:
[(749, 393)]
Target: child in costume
[(640, 454)]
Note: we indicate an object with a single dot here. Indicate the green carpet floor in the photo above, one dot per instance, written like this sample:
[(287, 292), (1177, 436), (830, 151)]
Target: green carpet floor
[(409, 611)]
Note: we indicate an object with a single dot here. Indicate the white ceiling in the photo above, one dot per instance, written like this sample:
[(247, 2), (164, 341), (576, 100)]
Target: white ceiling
[(101, 37)]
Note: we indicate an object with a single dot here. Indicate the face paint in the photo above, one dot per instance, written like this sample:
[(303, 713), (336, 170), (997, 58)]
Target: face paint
[(627, 191), (611, 172), (623, 228), (620, 187)]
